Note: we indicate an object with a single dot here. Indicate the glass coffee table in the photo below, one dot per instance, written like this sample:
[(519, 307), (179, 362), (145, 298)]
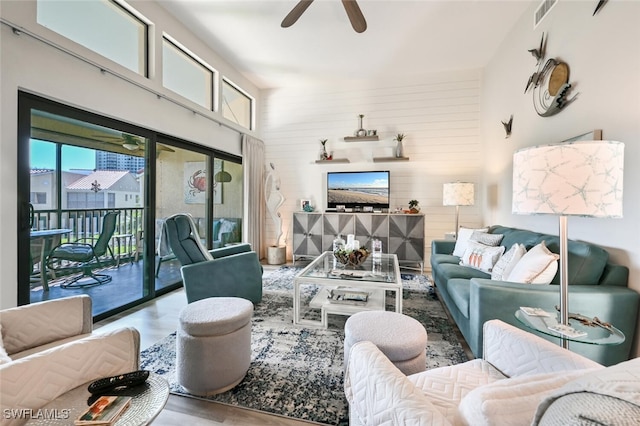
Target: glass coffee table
[(331, 288)]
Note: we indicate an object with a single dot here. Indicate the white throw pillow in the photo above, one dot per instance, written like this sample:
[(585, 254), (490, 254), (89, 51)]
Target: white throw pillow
[(511, 401), (4, 358), (464, 234), (532, 268), (480, 256), (507, 262)]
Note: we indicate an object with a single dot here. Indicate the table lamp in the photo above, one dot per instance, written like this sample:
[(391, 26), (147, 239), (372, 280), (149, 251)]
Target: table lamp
[(582, 178), (457, 194)]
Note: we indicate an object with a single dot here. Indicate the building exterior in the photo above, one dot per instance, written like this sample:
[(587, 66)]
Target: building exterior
[(114, 161)]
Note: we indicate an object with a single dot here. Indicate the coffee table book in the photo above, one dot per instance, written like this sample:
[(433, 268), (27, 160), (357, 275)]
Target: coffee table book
[(105, 411)]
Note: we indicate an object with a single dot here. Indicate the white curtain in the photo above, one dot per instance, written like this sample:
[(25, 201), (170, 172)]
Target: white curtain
[(254, 205)]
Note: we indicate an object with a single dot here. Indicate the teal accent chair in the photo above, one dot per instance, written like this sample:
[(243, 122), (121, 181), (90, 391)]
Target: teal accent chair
[(232, 271)]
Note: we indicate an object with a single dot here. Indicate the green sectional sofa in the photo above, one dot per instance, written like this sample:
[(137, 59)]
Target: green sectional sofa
[(596, 288)]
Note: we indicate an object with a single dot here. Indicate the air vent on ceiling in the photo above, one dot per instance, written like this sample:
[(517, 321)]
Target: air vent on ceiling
[(542, 11)]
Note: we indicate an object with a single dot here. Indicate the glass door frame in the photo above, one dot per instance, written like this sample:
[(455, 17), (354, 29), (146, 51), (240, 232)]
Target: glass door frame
[(28, 102)]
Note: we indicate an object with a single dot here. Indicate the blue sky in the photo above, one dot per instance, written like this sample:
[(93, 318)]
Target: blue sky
[(358, 179), (43, 156)]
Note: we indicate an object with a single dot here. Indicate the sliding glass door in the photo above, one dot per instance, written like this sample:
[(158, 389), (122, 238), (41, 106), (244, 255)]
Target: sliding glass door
[(76, 167), (181, 186), (79, 171)]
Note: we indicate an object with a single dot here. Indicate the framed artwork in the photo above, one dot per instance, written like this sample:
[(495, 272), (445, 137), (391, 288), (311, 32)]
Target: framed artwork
[(305, 205), (195, 182)]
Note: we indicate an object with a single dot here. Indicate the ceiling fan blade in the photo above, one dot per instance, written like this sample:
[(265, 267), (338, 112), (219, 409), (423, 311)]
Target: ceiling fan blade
[(355, 15), (295, 13)]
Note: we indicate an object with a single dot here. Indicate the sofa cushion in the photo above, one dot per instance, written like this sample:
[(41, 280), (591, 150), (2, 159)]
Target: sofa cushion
[(446, 386), (511, 401), (459, 290), (448, 271), (462, 239), (536, 266), (506, 263), (586, 261), (481, 256), (444, 258)]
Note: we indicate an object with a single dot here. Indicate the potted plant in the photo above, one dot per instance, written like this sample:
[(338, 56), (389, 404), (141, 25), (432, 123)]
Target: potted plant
[(413, 206), (399, 148)]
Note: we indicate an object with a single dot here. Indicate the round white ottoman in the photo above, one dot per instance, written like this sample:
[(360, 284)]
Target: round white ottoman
[(213, 344), (401, 338)]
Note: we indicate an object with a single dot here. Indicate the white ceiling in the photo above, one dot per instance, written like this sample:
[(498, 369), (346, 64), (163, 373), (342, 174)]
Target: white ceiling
[(403, 37)]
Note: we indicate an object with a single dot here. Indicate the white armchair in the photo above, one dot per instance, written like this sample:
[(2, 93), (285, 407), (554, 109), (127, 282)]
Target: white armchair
[(505, 387), (53, 350)]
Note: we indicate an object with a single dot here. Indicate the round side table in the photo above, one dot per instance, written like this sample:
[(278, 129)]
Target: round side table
[(145, 405)]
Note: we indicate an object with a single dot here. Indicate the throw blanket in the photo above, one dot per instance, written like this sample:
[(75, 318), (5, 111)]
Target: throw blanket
[(602, 395)]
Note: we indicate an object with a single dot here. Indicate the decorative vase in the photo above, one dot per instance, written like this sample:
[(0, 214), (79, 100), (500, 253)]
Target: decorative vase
[(361, 132), (399, 149)]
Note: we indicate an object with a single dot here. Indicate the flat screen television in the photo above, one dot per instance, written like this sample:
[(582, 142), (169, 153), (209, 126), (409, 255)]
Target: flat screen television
[(358, 189)]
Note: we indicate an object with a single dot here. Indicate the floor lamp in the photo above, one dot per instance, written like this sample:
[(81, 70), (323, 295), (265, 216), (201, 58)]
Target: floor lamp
[(457, 194), (582, 178)]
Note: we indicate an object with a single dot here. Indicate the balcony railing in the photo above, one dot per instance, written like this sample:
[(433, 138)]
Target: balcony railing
[(87, 224)]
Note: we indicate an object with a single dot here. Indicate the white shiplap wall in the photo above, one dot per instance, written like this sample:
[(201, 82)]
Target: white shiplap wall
[(439, 115)]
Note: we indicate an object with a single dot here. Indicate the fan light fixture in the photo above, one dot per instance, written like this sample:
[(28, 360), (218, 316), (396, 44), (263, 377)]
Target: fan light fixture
[(131, 146), (222, 176)]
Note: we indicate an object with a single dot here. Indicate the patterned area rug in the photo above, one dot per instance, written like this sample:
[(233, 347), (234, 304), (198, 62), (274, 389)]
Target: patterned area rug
[(298, 372)]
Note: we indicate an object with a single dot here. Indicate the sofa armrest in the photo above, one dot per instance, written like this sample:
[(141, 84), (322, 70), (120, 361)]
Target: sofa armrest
[(379, 393), (37, 324), (237, 275), (34, 381), (516, 352), (442, 246)]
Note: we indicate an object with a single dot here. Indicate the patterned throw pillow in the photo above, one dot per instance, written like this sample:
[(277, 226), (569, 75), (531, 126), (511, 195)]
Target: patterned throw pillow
[(464, 234), (480, 256), (486, 238), (505, 265), (538, 266)]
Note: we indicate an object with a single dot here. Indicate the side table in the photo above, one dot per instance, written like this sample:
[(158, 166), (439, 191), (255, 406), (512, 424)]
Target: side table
[(144, 408), (595, 335)]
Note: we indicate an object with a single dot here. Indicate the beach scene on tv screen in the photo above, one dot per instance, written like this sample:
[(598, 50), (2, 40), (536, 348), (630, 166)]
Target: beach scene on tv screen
[(358, 188)]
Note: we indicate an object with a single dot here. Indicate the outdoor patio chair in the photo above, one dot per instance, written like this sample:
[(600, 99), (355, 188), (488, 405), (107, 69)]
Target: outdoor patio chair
[(232, 271), (85, 256)]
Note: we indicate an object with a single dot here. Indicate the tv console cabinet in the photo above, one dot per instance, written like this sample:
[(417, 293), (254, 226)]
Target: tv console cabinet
[(401, 234)]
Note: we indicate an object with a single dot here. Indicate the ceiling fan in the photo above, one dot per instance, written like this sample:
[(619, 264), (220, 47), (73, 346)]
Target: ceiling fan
[(354, 13), (130, 142)]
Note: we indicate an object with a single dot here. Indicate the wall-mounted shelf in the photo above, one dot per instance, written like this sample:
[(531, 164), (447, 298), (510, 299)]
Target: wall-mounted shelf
[(361, 138), (335, 160), (384, 159)]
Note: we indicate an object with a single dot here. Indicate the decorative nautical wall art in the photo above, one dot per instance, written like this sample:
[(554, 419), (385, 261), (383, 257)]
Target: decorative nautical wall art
[(507, 126), (549, 83)]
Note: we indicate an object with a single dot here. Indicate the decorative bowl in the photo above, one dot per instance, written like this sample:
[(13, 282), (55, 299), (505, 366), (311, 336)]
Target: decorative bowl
[(351, 257)]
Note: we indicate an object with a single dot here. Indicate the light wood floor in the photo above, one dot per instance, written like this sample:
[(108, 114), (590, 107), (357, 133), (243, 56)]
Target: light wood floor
[(155, 320)]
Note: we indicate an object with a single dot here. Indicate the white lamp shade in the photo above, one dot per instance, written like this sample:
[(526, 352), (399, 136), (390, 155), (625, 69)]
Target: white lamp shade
[(570, 179), (457, 194)]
